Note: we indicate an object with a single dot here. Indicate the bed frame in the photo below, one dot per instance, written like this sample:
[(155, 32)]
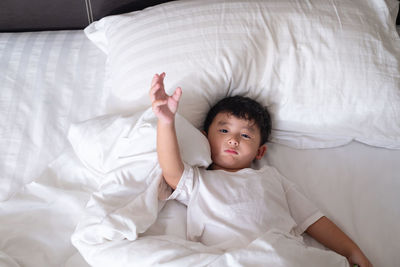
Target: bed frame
[(40, 15)]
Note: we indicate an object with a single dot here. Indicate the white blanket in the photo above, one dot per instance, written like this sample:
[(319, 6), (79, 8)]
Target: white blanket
[(37, 223), (114, 229)]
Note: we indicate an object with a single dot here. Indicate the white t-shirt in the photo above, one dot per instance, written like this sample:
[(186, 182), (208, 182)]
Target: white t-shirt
[(230, 209)]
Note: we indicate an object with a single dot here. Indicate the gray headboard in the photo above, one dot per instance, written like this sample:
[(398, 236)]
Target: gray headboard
[(39, 15)]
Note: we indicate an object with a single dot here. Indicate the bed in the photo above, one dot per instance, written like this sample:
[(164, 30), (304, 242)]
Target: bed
[(79, 179)]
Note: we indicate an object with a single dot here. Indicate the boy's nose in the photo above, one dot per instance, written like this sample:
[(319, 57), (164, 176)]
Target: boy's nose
[(233, 141)]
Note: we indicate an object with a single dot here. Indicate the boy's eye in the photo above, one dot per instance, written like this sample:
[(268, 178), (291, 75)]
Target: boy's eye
[(246, 136), (223, 130)]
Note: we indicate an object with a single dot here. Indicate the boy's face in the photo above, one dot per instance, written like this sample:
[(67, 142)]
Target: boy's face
[(234, 142)]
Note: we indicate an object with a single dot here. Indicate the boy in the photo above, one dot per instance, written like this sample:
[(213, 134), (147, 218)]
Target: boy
[(230, 204)]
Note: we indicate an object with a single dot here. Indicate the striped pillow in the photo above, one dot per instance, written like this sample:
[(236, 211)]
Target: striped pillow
[(47, 81)]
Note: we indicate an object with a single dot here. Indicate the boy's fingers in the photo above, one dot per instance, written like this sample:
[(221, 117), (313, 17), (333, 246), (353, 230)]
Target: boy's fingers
[(154, 80), (177, 94), (157, 78), (153, 91), (162, 76)]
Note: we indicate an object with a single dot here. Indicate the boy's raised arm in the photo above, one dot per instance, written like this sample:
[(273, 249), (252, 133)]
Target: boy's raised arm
[(165, 108)]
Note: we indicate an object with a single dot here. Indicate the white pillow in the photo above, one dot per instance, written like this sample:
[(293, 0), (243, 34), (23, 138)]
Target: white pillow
[(329, 71), (393, 9), (109, 143)]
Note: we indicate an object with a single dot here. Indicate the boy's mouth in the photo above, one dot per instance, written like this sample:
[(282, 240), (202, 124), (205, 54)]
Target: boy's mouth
[(231, 151)]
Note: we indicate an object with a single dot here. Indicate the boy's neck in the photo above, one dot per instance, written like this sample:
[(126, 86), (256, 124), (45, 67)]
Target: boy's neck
[(215, 167)]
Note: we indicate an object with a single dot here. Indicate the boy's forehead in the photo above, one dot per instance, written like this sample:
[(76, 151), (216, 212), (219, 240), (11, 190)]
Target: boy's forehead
[(224, 118)]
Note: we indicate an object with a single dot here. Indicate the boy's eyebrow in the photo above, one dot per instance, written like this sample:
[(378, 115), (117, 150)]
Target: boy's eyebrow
[(250, 128), (222, 123)]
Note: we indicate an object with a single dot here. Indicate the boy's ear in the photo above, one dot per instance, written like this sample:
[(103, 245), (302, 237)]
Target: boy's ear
[(261, 151)]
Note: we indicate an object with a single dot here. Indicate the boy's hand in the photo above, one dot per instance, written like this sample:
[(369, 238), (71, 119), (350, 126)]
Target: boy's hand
[(164, 106), (357, 258)]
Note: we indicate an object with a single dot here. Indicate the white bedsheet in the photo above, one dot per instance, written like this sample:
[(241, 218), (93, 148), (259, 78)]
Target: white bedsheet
[(357, 186), (47, 80)]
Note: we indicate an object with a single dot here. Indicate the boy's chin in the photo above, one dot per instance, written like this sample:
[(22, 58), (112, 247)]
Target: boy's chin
[(231, 166)]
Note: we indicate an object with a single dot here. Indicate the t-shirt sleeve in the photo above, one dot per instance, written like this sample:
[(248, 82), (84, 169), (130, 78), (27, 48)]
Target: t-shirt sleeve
[(302, 210), (184, 189)]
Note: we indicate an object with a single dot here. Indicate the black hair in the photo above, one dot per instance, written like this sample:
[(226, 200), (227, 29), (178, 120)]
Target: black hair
[(242, 108)]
